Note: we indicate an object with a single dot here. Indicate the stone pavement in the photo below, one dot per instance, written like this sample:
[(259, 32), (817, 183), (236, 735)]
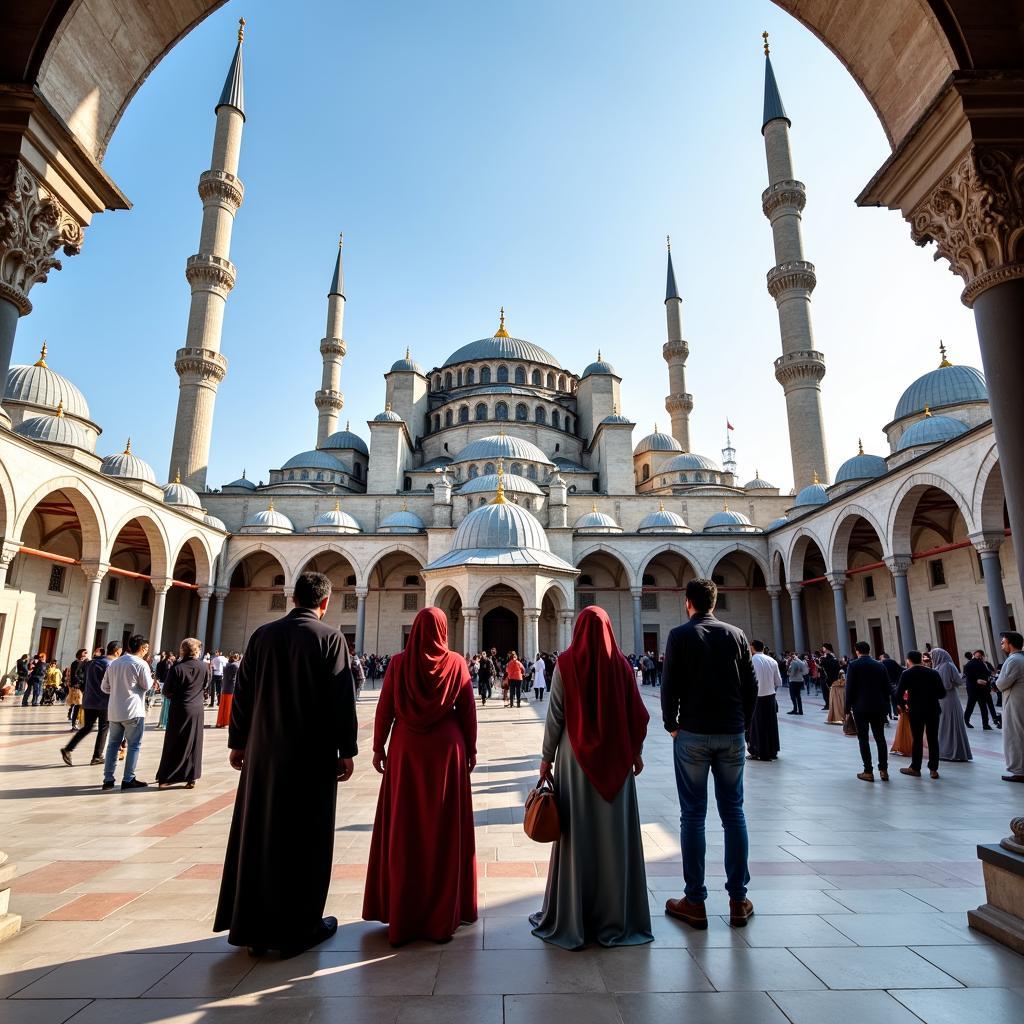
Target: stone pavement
[(860, 894)]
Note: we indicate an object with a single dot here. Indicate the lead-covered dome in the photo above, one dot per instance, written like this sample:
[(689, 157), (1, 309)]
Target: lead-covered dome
[(861, 467), (599, 368), (40, 386), (812, 494), (387, 416), (316, 459), (346, 440), (127, 466), (945, 386), (269, 520), (335, 521), (487, 483), (243, 483), (217, 524), (690, 462), (930, 430), (502, 446), (776, 523), (596, 522), (663, 521), (401, 522), (657, 442), (729, 521), (757, 484), (54, 428), (406, 365), (177, 493), (500, 348)]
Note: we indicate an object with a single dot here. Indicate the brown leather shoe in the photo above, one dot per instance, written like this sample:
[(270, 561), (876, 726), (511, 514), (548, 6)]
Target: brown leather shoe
[(693, 914), (912, 772), (740, 912), (883, 774), (866, 776), (934, 774)]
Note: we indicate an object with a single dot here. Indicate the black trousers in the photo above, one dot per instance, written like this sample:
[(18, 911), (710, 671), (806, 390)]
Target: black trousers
[(92, 716), (515, 692), (981, 696), (794, 695), (484, 686), (919, 726), (215, 684), (875, 721)]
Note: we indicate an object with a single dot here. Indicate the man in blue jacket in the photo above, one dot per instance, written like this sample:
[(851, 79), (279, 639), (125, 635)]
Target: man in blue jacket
[(94, 706)]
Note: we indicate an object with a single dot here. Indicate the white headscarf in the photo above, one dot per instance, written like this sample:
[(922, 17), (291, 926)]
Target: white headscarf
[(943, 664)]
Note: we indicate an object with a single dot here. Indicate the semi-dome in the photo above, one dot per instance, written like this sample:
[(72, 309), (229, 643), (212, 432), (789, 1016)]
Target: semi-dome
[(334, 521), (54, 429), (316, 459), (387, 416), (596, 522), (757, 484), (401, 522), (599, 368), (39, 385), (502, 446), (657, 442), (487, 483), (502, 347), (268, 520), (217, 524), (812, 494), (775, 523), (729, 521), (861, 467), (346, 440), (243, 483), (406, 365), (930, 430), (945, 386), (663, 521), (690, 462), (177, 493), (127, 466)]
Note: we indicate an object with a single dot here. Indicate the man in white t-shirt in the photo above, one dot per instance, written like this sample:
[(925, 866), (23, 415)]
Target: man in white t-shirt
[(217, 663), (126, 681)]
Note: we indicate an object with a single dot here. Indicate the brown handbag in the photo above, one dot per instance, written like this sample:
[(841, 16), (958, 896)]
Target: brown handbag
[(541, 822)]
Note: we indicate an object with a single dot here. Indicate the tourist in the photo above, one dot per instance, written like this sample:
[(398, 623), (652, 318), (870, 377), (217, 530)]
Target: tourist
[(94, 706), (217, 663), (421, 875), (976, 678), (182, 757), (126, 681), (293, 737), (707, 701), (953, 742), (21, 672), (485, 675), (165, 708), (514, 671), (358, 675), (837, 700), (763, 738), (52, 683), (893, 670), (227, 691), (868, 696), (76, 686), (921, 692), (796, 669), (829, 673), (34, 680), (1010, 677), (539, 673), (593, 737)]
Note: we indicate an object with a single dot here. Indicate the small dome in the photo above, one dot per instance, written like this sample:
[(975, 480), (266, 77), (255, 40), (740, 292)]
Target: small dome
[(596, 522), (812, 494), (401, 522), (502, 446), (861, 467), (126, 466), (39, 385), (334, 521), (316, 460), (387, 416), (930, 430), (268, 521), (663, 521), (242, 483), (690, 462), (487, 483), (54, 429), (757, 484), (406, 365), (945, 386), (600, 368), (177, 493), (616, 418), (217, 524), (345, 440), (728, 521), (775, 523), (657, 442)]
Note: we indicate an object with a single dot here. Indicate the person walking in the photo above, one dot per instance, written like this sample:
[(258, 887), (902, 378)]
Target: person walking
[(485, 675), (514, 672), (920, 693), (227, 691), (421, 874), (893, 671), (1011, 686), (976, 678), (796, 670), (76, 686), (539, 673), (34, 681), (94, 706), (21, 673), (763, 737), (126, 681), (869, 696), (182, 757), (217, 663), (707, 702), (954, 744), (594, 734), (292, 737)]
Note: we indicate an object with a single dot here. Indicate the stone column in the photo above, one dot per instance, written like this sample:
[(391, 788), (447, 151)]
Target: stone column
[(838, 582), (203, 618), (531, 619), (361, 593), (987, 547), (220, 595), (796, 598), (94, 572), (778, 637), (471, 631), (565, 633), (638, 620), (8, 550), (899, 565), (156, 626)]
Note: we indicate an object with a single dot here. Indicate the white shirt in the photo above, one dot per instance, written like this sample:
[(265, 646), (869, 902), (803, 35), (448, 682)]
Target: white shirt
[(769, 679), (538, 673), (126, 680), (218, 664)]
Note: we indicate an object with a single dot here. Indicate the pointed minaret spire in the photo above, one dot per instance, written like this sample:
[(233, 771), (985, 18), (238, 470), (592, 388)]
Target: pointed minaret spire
[(678, 402), (329, 400), (790, 283), (501, 332), (211, 276)]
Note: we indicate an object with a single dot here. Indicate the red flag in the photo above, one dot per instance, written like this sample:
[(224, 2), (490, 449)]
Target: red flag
[(729, 426)]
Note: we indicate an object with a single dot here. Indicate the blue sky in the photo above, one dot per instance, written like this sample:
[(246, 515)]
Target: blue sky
[(478, 154)]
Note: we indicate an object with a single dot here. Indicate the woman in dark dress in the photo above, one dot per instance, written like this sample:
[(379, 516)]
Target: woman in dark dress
[(182, 757)]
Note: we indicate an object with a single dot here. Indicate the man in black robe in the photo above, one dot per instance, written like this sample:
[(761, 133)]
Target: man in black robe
[(293, 737)]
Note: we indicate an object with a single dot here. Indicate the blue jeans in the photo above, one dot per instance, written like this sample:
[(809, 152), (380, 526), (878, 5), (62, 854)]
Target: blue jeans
[(724, 756), (32, 689), (131, 731)]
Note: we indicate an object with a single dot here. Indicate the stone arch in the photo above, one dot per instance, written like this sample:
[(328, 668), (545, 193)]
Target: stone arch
[(156, 535), (363, 574), (838, 551), (560, 594), (7, 510), (777, 563), (229, 566), (668, 548), (436, 587), (628, 570), (87, 507), (904, 504), (478, 587), (799, 544), (739, 547), (204, 558), (989, 497)]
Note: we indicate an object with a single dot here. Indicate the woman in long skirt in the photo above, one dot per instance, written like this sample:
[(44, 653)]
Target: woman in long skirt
[(421, 876), (182, 757), (837, 701), (953, 742), (227, 691), (593, 737)]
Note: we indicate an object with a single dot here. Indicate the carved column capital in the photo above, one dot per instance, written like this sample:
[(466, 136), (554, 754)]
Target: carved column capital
[(987, 543), (94, 571), (837, 580), (899, 565), (205, 593)]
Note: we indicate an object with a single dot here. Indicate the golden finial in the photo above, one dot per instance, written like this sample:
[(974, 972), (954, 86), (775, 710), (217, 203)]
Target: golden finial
[(593, 507), (241, 30), (501, 332), (927, 411), (860, 446), (668, 242), (501, 432), (405, 505), (387, 407), (127, 447), (407, 355), (942, 351), (499, 497), (764, 36), (41, 361), (814, 478), (661, 506), (725, 506), (270, 507), (60, 410), (599, 355), (337, 505), (177, 476)]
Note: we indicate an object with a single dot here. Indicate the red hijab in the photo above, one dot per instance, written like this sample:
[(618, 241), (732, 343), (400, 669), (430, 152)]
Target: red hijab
[(427, 676), (605, 715)]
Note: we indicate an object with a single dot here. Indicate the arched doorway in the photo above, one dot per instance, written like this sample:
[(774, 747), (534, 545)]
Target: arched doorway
[(604, 581), (344, 606), (501, 630), (396, 593), (662, 602), (742, 594), (256, 596), (449, 601)]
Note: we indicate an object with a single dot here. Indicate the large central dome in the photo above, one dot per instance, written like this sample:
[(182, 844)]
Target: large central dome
[(502, 348)]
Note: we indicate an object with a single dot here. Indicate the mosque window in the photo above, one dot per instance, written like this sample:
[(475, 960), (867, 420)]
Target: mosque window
[(437, 383), (522, 413), (448, 419), (304, 475), (937, 573), (572, 489), (350, 602), (698, 478), (410, 602), (869, 588), (464, 414), (411, 581), (585, 599), (554, 418), (144, 600), (597, 484), (459, 379), (568, 424), (501, 411), (407, 484), (502, 374), (278, 602), (358, 471), (551, 381), (473, 472), (112, 588), (531, 472), (350, 581), (586, 580), (722, 601), (516, 469), (520, 375), (278, 580), (437, 422), (481, 411), (489, 468), (561, 383), (320, 477), (482, 501), (540, 414), (471, 376), (448, 379), (291, 474), (430, 487), (649, 602), (535, 378), (485, 375)]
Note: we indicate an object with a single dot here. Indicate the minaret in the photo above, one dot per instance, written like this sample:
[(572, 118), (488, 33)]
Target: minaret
[(729, 452), (329, 399), (211, 275), (790, 282), (678, 403)]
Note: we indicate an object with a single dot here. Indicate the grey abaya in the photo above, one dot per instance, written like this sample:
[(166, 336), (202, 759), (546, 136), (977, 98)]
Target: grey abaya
[(597, 883), (1011, 685), (953, 742)]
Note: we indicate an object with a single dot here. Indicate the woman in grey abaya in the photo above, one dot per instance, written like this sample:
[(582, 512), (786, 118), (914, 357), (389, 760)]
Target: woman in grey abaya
[(595, 729), (953, 742)]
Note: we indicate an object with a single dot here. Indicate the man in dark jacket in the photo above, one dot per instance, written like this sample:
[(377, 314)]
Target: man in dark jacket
[(34, 683), (708, 693), (976, 676), (868, 695), (893, 671), (919, 691), (293, 737), (829, 672), (94, 706)]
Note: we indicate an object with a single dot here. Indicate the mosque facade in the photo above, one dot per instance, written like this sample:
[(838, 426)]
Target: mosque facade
[(505, 487)]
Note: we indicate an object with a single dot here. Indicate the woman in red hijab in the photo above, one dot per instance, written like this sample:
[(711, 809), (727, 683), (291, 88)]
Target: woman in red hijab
[(421, 878), (595, 731)]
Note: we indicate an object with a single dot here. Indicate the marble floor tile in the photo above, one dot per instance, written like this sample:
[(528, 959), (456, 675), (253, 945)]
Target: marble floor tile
[(518, 971), (843, 1007), (716, 1007), (792, 930), (565, 1009), (755, 969), (646, 969), (983, 966), (117, 974), (881, 967), (982, 1005)]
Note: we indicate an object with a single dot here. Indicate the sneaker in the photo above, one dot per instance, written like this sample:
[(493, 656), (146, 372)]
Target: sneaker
[(134, 784), (914, 773), (108, 785), (694, 914), (866, 776), (96, 760), (740, 912), (66, 756)]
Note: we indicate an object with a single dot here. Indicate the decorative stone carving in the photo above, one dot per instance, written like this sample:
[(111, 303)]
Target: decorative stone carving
[(211, 273), (836, 580), (797, 274), (800, 368), (201, 363), (974, 216), (333, 347), (672, 351), (1014, 843), (33, 226), (223, 186), (330, 400), (899, 565), (790, 193), (679, 402)]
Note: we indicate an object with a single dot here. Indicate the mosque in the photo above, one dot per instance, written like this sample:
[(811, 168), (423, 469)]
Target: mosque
[(504, 487)]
